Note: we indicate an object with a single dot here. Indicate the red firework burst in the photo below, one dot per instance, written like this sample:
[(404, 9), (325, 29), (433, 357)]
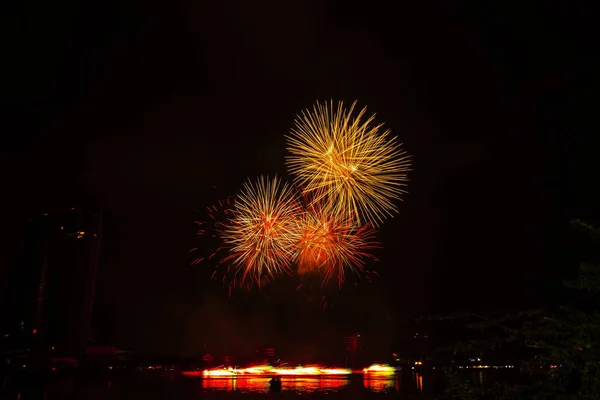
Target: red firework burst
[(333, 244)]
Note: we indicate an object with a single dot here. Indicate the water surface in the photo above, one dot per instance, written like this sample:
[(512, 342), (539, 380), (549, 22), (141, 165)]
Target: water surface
[(156, 386)]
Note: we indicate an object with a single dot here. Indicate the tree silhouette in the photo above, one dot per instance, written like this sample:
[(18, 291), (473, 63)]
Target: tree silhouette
[(560, 348)]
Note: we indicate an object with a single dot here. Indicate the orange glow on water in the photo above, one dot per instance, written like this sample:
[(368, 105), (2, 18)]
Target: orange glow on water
[(313, 384), (224, 384), (380, 378), (192, 373), (419, 382), (376, 378), (381, 384), (262, 384), (315, 370)]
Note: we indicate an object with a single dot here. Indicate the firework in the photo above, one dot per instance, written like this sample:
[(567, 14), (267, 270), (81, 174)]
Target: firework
[(356, 166), (208, 233), (263, 231), (211, 251), (332, 244)]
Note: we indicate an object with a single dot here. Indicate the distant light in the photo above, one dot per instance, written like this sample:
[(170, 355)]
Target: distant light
[(62, 228), (34, 331)]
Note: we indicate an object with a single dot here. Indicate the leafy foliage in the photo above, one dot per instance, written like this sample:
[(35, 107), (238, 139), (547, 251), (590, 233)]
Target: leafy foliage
[(560, 348)]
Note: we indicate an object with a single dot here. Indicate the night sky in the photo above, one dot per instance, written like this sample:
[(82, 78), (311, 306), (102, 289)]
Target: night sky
[(148, 110)]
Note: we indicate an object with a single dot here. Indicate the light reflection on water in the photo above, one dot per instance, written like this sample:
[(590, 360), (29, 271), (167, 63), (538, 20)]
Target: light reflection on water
[(298, 384), (159, 387), (382, 384), (418, 381)]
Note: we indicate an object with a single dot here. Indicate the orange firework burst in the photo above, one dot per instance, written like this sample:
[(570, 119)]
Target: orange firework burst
[(355, 166), (332, 244), (263, 231)]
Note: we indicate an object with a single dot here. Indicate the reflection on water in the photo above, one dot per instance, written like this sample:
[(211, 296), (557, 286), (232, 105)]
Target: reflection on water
[(159, 387), (153, 386), (418, 381), (231, 384), (302, 384), (382, 384), (261, 385)]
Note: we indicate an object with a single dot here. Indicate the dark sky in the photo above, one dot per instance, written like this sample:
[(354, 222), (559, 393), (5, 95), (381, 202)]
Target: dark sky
[(139, 108)]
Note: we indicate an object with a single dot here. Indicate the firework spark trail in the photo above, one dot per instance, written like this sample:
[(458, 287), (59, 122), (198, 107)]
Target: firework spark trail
[(349, 169), (211, 249), (355, 166), (263, 231), (332, 244)]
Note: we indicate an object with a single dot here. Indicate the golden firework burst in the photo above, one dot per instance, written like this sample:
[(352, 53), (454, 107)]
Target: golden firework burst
[(355, 166), (263, 231)]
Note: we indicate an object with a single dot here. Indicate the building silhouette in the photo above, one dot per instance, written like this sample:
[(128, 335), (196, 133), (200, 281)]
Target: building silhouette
[(52, 287)]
